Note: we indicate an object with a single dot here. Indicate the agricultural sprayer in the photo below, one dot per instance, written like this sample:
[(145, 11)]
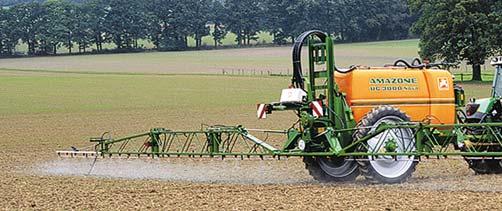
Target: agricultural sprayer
[(379, 122)]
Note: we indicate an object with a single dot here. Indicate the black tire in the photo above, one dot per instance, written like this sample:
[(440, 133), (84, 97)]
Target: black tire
[(369, 167), (485, 166), (344, 170), (482, 166)]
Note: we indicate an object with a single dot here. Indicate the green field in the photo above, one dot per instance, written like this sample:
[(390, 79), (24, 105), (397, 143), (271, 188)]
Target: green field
[(159, 80), (57, 93), (74, 93)]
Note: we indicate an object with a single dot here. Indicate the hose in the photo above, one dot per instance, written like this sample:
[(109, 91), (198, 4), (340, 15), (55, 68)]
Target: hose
[(417, 64), (297, 80), (416, 61), (397, 62)]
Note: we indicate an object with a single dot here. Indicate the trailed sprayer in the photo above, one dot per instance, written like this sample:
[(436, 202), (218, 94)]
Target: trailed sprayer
[(379, 122)]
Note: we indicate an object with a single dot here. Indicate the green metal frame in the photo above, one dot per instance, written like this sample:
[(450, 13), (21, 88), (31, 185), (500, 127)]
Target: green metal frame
[(228, 141)]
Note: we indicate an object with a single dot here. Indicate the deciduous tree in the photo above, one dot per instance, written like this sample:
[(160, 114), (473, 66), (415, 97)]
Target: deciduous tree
[(244, 19), (8, 35), (457, 30)]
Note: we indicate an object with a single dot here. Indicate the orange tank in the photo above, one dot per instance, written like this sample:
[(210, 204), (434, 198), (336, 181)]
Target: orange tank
[(422, 94)]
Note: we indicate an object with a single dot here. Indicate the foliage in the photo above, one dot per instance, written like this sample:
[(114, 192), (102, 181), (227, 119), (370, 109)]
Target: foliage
[(29, 21), (218, 16), (286, 19), (8, 37), (125, 25), (59, 26), (15, 2), (169, 23), (496, 26), (198, 17), (244, 19), (458, 30), (48, 25)]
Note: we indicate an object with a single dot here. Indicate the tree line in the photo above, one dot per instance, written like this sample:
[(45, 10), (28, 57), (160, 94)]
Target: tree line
[(44, 26)]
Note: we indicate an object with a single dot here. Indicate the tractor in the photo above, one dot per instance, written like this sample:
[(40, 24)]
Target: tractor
[(486, 110), (378, 122)]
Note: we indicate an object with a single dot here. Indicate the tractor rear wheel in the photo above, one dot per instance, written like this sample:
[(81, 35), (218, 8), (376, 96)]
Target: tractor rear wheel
[(386, 169), (482, 166), (331, 169), (485, 166)]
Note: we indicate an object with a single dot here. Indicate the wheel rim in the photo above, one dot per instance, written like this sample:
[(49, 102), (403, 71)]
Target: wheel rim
[(388, 166), (337, 167)]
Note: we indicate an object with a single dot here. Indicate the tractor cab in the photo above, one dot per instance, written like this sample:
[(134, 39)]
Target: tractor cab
[(497, 79), (488, 109)]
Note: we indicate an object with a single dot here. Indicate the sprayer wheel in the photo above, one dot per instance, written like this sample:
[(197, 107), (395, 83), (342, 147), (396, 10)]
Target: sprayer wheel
[(386, 169), (331, 169)]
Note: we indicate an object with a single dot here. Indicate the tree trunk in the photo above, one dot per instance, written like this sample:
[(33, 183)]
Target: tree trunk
[(239, 38), (118, 42), (157, 42), (197, 44), (69, 46), (98, 43), (30, 48), (476, 72), (33, 49)]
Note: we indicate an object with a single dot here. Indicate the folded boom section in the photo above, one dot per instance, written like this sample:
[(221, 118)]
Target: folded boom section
[(427, 140)]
